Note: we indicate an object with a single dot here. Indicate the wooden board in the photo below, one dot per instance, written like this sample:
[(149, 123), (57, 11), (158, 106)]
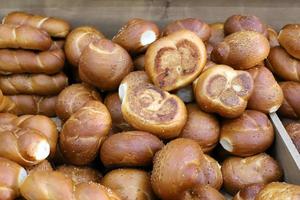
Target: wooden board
[(109, 15), (286, 152)]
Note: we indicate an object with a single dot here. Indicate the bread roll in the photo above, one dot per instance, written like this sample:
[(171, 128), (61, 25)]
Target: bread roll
[(273, 37), (176, 60), (267, 95), (34, 84), (83, 132), (202, 127), (284, 65), (42, 166), (241, 50), (104, 64), (56, 186), (33, 105), (293, 129), (129, 184), (178, 166), (6, 104), (217, 33), (247, 135), (136, 35), (249, 192), (200, 28), (21, 61), (288, 38), (24, 146), (236, 23), (213, 174), (73, 98), (201, 192), (279, 191), (113, 103), (223, 90), (23, 36), (80, 174), (148, 108), (129, 149), (78, 40), (53, 26), (241, 172), (290, 107)]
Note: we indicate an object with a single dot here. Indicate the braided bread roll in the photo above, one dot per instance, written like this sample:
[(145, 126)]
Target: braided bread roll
[(25, 37), (25, 146), (288, 38), (279, 191), (290, 107), (21, 61), (83, 133), (148, 108), (284, 65), (73, 98), (39, 84), (53, 26), (56, 186), (78, 40), (33, 105), (12, 177)]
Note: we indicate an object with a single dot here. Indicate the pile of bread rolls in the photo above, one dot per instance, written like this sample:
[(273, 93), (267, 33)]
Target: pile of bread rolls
[(31, 62), (177, 113)]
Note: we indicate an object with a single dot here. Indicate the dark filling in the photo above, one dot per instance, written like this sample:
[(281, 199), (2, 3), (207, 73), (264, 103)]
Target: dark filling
[(229, 97), (242, 81), (216, 86)]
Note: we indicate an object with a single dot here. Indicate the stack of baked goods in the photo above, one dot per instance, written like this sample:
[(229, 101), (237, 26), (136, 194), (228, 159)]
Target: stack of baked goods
[(180, 113), (31, 62)]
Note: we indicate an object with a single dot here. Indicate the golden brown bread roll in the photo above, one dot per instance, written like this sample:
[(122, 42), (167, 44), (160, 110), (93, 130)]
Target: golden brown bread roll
[(21, 61), (202, 127), (223, 90), (104, 64), (284, 65), (185, 94), (113, 103), (236, 23), (80, 174), (78, 40), (179, 166), (38, 84), (56, 186), (83, 132), (53, 26), (288, 38), (136, 35), (247, 135), (200, 28), (241, 172), (12, 177), (176, 60), (273, 37), (293, 129), (201, 192), (267, 95), (249, 192), (148, 108), (217, 33), (129, 149), (213, 173), (33, 105), (73, 98), (139, 63), (279, 191), (241, 50), (23, 36), (290, 107), (25, 146), (129, 184)]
